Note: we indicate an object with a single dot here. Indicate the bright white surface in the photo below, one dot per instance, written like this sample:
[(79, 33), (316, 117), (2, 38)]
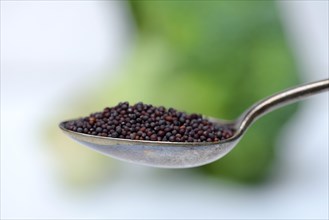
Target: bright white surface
[(46, 47)]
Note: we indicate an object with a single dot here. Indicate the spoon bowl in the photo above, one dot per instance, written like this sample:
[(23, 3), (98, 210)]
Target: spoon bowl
[(193, 154), (158, 153)]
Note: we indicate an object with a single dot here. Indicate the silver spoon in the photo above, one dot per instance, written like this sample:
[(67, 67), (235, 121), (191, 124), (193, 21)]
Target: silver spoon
[(193, 154)]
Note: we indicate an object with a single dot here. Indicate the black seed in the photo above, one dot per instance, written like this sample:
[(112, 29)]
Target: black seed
[(172, 138), (115, 134), (146, 122)]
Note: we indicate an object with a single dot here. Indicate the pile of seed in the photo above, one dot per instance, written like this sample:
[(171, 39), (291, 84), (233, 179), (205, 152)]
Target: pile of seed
[(146, 122)]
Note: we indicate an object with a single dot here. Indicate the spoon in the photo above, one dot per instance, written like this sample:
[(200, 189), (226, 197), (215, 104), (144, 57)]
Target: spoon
[(193, 154)]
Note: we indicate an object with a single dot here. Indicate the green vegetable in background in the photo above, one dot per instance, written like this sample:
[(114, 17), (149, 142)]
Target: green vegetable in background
[(210, 57), (215, 58)]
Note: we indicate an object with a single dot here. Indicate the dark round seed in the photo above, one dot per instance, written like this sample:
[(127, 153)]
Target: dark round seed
[(115, 134), (168, 118), (118, 129), (153, 137), (161, 133), (172, 138), (146, 122)]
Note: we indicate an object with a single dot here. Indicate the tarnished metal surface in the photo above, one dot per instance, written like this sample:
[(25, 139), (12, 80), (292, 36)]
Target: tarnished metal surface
[(192, 154), (154, 153)]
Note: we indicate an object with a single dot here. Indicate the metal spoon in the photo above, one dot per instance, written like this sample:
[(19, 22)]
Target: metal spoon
[(185, 154)]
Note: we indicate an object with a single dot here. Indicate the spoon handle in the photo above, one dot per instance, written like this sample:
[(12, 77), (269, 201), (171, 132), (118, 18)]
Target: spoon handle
[(279, 100)]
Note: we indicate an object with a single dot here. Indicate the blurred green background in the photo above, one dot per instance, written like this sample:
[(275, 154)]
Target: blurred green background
[(211, 57), (65, 59)]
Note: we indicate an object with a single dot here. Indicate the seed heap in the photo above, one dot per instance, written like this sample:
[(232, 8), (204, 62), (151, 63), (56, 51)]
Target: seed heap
[(146, 122)]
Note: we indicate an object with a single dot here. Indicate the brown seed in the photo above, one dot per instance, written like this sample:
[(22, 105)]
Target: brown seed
[(168, 118), (153, 137), (146, 122), (92, 120)]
